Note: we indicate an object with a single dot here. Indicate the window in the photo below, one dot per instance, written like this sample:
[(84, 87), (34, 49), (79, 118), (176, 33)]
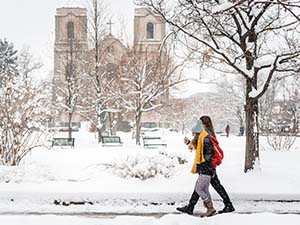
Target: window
[(70, 29), (150, 30)]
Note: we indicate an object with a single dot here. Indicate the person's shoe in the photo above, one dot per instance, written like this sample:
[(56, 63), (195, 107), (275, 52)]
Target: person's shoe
[(227, 209), (210, 209), (186, 209)]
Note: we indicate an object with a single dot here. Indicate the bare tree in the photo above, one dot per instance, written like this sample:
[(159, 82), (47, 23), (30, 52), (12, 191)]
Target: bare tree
[(233, 95), (103, 67), (178, 112), (70, 95), (250, 38), (145, 80), (281, 119), (70, 86), (26, 63), (23, 110)]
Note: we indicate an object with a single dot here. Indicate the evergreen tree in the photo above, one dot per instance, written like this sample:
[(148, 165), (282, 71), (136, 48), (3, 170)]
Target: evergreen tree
[(8, 58), (8, 61)]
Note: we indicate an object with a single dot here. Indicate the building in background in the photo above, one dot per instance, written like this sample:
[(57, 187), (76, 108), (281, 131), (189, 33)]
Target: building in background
[(71, 49), (149, 31)]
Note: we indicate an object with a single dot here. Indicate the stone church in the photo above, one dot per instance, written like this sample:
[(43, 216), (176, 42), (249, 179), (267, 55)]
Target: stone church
[(71, 43)]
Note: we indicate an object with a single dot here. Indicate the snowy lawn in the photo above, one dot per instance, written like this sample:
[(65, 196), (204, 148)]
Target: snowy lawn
[(79, 175)]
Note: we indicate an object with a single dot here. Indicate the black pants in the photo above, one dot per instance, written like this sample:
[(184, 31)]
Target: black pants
[(215, 182)]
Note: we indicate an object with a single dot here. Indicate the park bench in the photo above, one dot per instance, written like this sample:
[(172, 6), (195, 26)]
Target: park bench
[(222, 134), (153, 142), (111, 141), (63, 142)]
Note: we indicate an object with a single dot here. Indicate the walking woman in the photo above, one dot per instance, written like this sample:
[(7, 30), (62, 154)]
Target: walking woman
[(206, 124), (202, 164)]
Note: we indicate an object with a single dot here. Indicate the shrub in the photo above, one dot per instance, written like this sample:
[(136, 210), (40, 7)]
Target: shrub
[(143, 166)]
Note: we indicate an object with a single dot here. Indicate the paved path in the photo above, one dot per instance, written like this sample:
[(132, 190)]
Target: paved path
[(156, 210)]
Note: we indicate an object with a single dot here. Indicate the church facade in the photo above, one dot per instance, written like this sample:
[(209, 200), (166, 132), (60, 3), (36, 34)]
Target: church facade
[(71, 45)]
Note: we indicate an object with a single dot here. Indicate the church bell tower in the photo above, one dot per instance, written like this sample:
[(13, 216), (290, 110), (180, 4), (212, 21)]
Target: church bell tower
[(70, 39), (149, 30), (70, 49)]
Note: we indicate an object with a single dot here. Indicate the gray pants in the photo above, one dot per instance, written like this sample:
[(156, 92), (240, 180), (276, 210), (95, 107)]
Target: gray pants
[(202, 187)]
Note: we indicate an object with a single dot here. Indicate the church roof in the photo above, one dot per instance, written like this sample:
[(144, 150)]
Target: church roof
[(112, 39), (77, 11)]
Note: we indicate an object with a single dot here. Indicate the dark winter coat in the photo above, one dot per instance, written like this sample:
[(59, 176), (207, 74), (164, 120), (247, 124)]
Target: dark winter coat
[(206, 167), (227, 129)]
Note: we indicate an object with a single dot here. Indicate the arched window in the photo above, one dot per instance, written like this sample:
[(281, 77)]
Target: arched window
[(70, 29), (150, 30)]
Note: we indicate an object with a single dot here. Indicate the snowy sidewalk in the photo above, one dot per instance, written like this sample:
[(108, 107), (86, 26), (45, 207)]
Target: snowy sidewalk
[(130, 203), (170, 219)]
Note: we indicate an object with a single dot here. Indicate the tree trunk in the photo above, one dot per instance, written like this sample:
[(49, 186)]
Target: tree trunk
[(99, 124), (138, 129), (99, 135), (110, 124), (70, 126), (252, 133)]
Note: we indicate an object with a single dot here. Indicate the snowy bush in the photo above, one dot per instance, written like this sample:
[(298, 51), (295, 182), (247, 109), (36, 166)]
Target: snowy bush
[(182, 159), (143, 166), (23, 110), (283, 141), (281, 124)]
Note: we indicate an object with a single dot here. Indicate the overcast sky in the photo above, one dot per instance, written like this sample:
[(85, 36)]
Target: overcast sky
[(32, 22)]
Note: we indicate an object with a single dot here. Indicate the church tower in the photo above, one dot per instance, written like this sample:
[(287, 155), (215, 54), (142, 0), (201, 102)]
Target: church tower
[(70, 39), (70, 50), (149, 30)]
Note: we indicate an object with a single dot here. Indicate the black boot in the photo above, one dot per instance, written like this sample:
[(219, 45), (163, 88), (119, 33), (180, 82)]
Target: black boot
[(227, 209), (186, 209), (189, 209)]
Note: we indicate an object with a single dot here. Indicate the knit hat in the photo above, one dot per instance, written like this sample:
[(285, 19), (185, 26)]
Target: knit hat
[(197, 128)]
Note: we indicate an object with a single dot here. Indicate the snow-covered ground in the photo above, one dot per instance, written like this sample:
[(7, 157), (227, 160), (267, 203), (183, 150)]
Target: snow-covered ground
[(171, 219), (80, 175)]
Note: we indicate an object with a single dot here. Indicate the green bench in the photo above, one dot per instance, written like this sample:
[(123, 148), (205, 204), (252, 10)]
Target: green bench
[(111, 141), (153, 142), (63, 142)]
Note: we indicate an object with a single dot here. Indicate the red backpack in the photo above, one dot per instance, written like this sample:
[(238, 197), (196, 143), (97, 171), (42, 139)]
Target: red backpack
[(218, 153)]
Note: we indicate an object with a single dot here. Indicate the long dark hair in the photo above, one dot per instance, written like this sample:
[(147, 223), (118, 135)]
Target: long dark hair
[(208, 125), (195, 140)]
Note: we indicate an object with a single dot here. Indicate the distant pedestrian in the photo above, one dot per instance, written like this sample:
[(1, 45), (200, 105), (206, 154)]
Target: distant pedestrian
[(242, 129), (227, 130)]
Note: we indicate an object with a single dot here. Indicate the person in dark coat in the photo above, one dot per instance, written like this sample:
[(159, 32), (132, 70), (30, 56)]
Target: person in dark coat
[(215, 182), (242, 128), (227, 130)]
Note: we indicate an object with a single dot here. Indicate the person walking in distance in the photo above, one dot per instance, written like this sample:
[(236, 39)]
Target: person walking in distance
[(214, 181), (227, 130)]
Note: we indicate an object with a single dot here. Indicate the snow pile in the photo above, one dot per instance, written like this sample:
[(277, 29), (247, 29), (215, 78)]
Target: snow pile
[(145, 166), (35, 173)]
